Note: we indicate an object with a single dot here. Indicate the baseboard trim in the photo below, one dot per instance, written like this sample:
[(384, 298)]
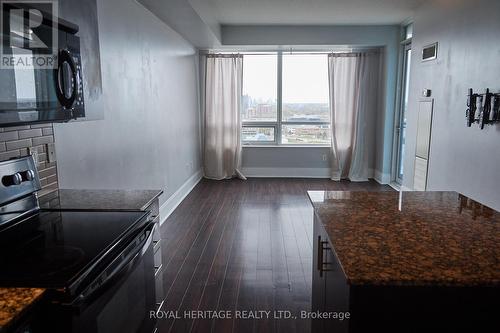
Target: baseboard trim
[(175, 199), (382, 178), (299, 173), (406, 188), (395, 186), (287, 172)]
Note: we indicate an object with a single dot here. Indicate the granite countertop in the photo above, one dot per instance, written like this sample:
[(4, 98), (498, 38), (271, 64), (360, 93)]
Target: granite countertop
[(435, 238), (99, 199), (14, 302)]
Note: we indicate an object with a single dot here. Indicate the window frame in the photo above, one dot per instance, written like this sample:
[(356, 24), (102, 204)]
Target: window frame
[(279, 123)]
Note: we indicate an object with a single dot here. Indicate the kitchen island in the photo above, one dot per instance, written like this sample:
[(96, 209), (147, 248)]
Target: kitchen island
[(405, 262)]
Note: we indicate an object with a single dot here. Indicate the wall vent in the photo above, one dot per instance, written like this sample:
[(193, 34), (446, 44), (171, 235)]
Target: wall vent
[(429, 52)]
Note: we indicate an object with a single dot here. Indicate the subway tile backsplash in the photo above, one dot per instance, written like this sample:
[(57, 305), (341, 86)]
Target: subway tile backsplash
[(17, 141)]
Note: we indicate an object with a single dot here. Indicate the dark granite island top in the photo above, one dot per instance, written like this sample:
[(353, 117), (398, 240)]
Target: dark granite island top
[(405, 262), (100, 199), (429, 238)]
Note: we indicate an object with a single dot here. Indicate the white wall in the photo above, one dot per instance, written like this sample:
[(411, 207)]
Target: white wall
[(463, 159), (149, 137), (387, 37), (286, 162)]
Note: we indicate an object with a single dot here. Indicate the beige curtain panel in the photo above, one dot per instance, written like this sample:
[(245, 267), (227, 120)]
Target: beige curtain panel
[(222, 147), (353, 84)]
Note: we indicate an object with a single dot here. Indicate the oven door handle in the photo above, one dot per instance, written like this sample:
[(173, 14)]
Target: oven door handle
[(121, 265)]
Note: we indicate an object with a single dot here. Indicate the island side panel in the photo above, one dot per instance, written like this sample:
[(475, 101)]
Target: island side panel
[(395, 308), (330, 288), (424, 309)]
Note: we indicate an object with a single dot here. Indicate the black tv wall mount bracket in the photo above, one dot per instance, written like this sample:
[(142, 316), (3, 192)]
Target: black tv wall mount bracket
[(483, 109)]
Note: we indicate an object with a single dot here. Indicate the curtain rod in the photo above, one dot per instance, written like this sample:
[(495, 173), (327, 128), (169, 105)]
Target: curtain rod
[(291, 53), (351, 54), (224, 55)]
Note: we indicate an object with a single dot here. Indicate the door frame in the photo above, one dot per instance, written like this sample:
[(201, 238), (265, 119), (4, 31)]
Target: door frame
[(406, 44)]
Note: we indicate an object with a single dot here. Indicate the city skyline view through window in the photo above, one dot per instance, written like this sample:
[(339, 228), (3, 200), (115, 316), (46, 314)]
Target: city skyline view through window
[(260, 87), (301, 114)]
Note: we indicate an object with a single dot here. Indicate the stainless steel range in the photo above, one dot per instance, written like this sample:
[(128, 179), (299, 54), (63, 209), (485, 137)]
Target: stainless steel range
[(96, 265)]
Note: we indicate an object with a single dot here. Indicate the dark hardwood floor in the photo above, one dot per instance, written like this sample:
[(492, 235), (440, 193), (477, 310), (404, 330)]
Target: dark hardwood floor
[(242, 245)]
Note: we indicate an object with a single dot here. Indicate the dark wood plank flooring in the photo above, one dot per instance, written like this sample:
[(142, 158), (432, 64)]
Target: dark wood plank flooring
[(243, 245)]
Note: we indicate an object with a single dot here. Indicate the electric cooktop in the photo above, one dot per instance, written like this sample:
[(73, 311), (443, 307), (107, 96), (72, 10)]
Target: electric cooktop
[(51, 249)]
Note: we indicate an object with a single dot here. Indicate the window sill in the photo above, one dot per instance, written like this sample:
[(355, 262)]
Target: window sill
[(285, 146)]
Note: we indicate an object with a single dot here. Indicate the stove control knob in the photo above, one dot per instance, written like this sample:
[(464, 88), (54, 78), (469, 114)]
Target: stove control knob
[(28, 175), (14, 179)]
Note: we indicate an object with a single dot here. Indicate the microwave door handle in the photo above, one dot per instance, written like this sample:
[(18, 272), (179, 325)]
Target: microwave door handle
[(126, 265), (66, 72), (60, 84)]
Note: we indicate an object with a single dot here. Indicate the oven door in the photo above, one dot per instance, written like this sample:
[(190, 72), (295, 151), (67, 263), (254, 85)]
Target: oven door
[(118, 300)]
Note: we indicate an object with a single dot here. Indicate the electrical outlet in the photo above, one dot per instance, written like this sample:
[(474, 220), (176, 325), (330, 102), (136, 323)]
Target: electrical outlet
[(51, 152), (33, 152), (324, 157), (426, 93)]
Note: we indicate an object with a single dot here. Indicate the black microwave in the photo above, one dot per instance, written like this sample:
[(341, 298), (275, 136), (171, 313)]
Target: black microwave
[(37, 94)]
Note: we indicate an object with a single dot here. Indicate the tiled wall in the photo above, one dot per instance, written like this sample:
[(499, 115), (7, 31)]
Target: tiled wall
[(16, 141)]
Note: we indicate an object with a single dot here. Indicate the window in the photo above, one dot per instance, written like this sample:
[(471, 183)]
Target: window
[(260, 88), (400, 130), (305, 134), (285, 99), (408, 31), (257, 134)]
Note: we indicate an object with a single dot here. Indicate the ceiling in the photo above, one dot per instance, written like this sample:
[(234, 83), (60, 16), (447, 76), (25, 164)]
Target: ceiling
[(305, 12)]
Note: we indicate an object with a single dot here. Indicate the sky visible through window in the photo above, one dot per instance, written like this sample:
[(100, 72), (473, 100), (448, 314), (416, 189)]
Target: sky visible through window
[(305, 87), (305, 78)]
